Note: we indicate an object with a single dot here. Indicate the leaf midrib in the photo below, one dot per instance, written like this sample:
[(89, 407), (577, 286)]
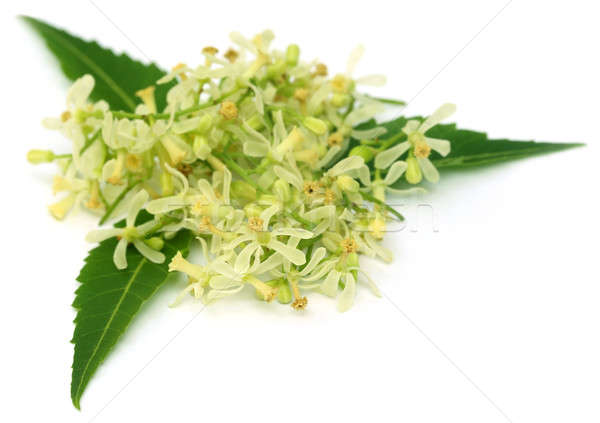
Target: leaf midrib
[(109, 81), (105, 330)]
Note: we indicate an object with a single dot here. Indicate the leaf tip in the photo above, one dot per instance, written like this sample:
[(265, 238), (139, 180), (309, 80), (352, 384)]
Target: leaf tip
[(75, 400)]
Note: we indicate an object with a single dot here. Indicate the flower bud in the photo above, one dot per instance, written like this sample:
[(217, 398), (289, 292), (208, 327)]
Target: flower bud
[(352, 260), (276, 69), (201, 147), (347, 183), (340, 100), (282, 190), (315, 125), (294, 139), (413, 171), (284, 295), (243, 190), (205, 123), (40, 156), (292, 54), (156, 243), (363, 151)]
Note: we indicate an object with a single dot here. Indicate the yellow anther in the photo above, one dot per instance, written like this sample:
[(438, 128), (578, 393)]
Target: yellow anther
[(301, 94), (320, 70), (231, 55), (210, 50), (178, 66), (65, 116)]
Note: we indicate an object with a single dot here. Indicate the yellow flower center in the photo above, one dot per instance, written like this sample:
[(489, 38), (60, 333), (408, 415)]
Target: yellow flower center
[(335, 139), (311, 188), (349, 245), (133, 163), (228, 110), (422, 149), (340, 83), (255, 224)]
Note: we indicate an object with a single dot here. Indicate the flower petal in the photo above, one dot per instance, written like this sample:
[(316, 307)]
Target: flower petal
[(384, 159), (315, 259), (346, 298), (100, 235), (436, 117), (330, 285), (136, 204), (395, 172), (441, 146), (429, 170), (120, 254), (242, 262), (150, 253), (292, 254), (375, 80), (346, 165)]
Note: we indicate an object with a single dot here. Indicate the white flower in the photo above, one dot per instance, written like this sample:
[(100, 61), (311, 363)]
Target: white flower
[(420, 144), (130, 234), (256, 235), (381, 186), (342, 82), (229, 280)]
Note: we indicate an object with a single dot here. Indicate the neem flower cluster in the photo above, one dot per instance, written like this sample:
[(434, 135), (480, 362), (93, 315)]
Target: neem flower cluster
[(251, 155)]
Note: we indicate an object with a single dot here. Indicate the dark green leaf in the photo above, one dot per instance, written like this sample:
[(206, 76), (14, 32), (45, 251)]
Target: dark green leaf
[(472, 148), (108, 299), (118, 77)]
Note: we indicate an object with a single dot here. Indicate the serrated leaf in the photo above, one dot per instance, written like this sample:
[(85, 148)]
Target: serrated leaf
[(472, 148), (108, 299), (118, 77)]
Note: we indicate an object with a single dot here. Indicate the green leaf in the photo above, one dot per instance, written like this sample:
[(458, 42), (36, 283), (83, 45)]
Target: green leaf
[(472, 148), (118, 77), (108, 299)]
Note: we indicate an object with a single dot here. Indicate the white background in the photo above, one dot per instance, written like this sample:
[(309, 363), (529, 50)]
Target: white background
[(503, 299)]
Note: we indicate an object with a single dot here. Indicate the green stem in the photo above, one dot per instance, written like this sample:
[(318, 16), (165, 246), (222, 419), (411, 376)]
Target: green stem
[(389, 101), (90, 141), (389, 208), (180, 113), (302, 220), (237, 169), (388, 142)]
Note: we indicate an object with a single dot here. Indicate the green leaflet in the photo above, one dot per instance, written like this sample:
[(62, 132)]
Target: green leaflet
[(117, 77), (108, 299), (472, 148)]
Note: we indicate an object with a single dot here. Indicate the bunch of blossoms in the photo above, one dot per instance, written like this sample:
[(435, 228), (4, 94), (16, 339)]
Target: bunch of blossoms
[(250, 154)]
